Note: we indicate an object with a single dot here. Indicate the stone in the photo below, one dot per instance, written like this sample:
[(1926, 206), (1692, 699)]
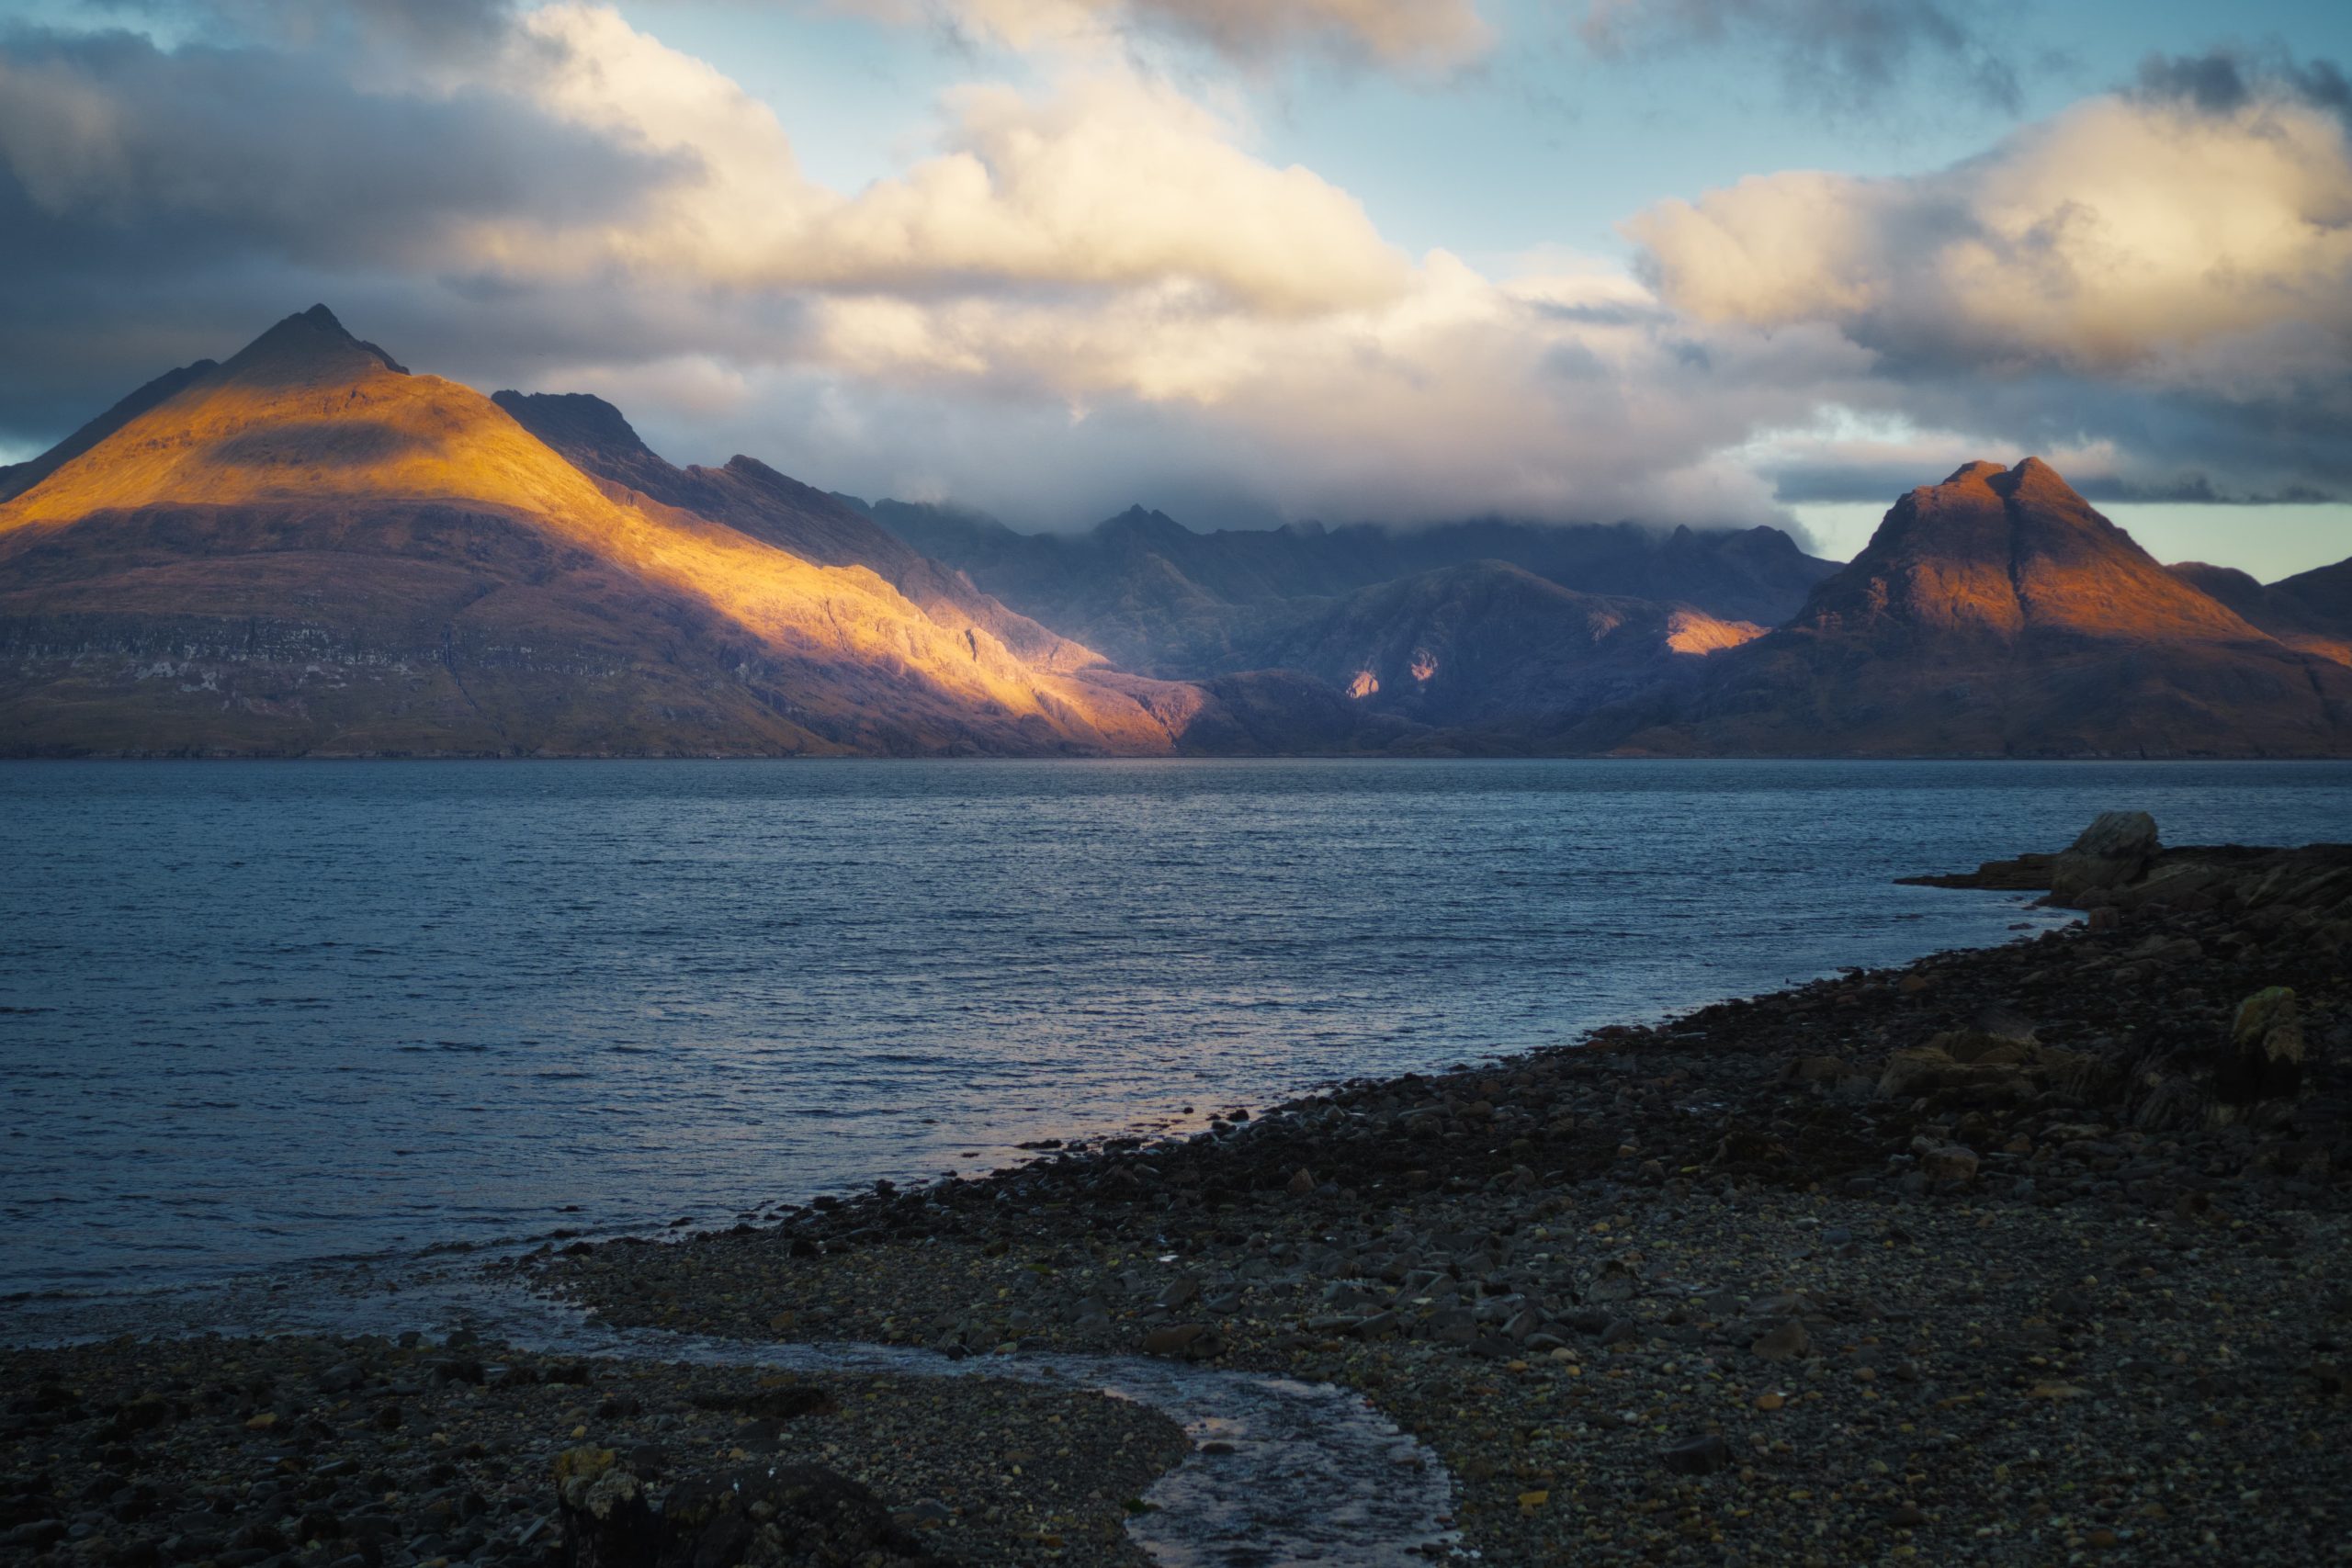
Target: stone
[(1973, 1047), (1915, 1070), (2003, 1023), (1617, 1283), (925, 1513), (1949, 1165), (342, 1378), (2265, 1060), (1698, 1456), (1192, 1341), (609, 1518), (2114, 852)]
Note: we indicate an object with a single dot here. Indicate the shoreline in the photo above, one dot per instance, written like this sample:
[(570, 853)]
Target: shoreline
[(1775, 1278)]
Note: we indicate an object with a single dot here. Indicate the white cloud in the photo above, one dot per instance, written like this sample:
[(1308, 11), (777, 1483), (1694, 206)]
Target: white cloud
[(1113, 180), (2144, 240), (1098, 292)]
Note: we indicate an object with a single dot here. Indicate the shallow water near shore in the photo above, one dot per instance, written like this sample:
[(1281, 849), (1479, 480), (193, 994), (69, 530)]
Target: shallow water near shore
[(254, 1015)]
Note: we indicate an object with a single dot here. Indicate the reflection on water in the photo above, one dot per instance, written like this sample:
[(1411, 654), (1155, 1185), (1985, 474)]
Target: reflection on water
[(251, 1013)]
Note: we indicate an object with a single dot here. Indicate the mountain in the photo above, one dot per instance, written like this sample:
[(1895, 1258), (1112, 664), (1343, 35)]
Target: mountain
[(1156, 596), (1997, 614), (1490, 643), (17, 477), (307, 549), (2324, 595), (2278, 609), (750, 497)]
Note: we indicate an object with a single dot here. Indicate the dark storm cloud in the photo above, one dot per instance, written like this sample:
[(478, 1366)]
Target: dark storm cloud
[(2171, 445), (428, 27), (163, 205), (1844, 54), (2223, 81), (278, 149)]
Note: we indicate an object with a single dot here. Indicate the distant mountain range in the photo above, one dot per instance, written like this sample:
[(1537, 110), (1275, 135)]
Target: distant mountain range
[(308, 550)]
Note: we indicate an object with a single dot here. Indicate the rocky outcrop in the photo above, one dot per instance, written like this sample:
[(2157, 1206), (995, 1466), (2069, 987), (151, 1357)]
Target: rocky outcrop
[(2250, 1070), (2115, 850)]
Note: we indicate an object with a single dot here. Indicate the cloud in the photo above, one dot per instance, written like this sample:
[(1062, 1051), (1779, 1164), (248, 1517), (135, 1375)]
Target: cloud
[(1084, 288), (111, 131), (1113, 180), (1095, 289), (2225, 81), (1843, 54), (1465, 395), (2167, 265), (1417, 35)]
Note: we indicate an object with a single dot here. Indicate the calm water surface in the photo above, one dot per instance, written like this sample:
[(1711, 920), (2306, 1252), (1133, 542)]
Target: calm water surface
[(255, 1014)]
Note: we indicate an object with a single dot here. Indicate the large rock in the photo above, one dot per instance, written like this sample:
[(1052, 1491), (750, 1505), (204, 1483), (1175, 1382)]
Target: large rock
[(2113, 851), (2265, 1059), (782, 1516)]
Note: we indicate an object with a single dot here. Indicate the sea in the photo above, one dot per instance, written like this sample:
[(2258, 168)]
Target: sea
[(260, 1016)]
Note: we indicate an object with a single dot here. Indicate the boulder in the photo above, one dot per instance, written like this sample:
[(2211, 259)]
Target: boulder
[(1973, 1047), (2002, 1022), (1916, 1070), (1949, 1165), (1185, 1341), (2114, 852), (2264, 1056)]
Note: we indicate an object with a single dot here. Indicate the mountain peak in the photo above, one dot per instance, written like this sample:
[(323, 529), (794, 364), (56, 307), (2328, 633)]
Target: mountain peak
[(2000, 552), (310, 346), (582, 420), (1139, 517)]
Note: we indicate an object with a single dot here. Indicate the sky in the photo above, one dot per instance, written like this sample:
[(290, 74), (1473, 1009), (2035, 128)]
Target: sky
[(1684, 260)]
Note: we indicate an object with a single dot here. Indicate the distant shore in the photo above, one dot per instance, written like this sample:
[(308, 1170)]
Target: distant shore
[(2004, 1256)]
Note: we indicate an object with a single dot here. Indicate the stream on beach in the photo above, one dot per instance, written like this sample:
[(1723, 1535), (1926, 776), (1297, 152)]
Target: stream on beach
[(256, 1016)]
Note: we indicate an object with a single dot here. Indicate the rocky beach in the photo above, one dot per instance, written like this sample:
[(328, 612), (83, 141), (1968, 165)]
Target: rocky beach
[(2029, 1254)]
